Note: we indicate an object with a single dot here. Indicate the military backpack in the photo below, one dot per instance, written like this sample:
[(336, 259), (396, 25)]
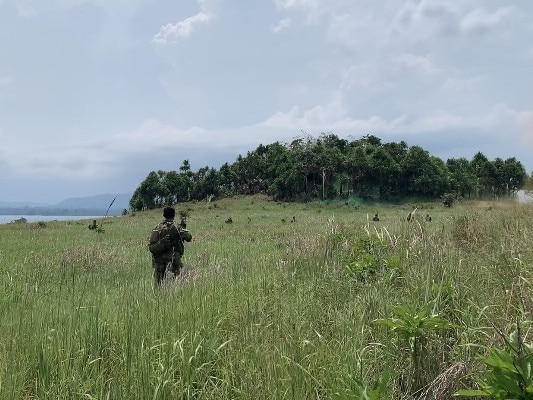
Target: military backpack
[(160, 239)]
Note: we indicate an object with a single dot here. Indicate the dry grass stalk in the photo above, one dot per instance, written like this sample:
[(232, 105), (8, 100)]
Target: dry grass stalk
[(445, 384)]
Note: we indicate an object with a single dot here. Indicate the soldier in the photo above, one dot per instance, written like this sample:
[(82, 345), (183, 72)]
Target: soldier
[(166, 246), (93, 225), (376, 217), (411, 215)]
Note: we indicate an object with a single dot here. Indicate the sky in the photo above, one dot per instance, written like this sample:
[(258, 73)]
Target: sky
[(95, 94)]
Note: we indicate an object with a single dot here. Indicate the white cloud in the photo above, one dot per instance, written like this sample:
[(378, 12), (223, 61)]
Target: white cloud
[(332, 117), (455, 84), (525, 121), (282, 25), (182, 29), (427, 18), (314, 10), (365, 78), (481, 20), (152, 135), (508, 119), (424, 19), (350, 29), (94, 158), (418, 63), (304, 4)]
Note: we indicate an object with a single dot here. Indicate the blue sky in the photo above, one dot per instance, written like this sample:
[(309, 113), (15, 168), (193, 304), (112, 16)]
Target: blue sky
[(95, 94)]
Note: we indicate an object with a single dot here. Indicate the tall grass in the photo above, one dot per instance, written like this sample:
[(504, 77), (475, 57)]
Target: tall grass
[(265, 309)]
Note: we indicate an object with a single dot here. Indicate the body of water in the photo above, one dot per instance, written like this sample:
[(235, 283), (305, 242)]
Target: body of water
[(5, 219)]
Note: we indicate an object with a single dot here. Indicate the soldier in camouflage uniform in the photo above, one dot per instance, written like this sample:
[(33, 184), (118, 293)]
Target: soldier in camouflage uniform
[(170, 259)]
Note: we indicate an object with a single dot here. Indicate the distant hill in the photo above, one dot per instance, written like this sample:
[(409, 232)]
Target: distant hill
[(97, 201), (91, 205)]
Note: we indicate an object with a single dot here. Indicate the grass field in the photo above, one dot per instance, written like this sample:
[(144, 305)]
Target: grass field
[(327, 307)]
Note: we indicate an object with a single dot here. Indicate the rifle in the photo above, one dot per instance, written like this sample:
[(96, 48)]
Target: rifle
[(100, 229), (170, 264)]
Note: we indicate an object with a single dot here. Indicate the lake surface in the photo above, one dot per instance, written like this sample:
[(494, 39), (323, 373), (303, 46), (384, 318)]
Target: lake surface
[(5, 219)]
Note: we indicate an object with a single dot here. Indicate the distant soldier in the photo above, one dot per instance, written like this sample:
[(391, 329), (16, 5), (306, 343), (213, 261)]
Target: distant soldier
[(167, 247), (229, 221), (93, 225), (428, 218), (376, 217), (293, 219), (411, 215)]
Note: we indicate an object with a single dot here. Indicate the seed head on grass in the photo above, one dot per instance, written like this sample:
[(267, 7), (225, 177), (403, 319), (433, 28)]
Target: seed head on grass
[(90, 258)]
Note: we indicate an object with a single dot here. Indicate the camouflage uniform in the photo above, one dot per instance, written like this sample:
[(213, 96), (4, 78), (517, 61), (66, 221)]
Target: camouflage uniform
[(173, 257)]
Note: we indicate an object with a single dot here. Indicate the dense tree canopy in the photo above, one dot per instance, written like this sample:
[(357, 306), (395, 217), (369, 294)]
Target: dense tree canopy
[(328, 167)]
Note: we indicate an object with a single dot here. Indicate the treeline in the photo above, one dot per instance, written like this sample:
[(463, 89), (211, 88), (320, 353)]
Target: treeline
[(329, 167)]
